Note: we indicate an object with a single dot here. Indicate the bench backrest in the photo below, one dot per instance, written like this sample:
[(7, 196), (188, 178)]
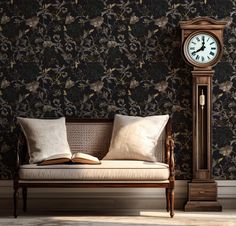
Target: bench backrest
[(89, 136), (93, 137)]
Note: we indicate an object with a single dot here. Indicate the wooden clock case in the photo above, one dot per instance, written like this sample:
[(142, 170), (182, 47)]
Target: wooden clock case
[(202, 190)]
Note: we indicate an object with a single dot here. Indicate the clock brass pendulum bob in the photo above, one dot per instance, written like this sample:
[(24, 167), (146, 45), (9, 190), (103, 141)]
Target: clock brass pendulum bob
[(202, 42)]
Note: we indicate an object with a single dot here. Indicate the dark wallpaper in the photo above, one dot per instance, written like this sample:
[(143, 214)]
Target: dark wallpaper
[(93, 58)]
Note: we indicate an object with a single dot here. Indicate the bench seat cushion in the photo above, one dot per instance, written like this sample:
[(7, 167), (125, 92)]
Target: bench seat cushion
[(108, 170)]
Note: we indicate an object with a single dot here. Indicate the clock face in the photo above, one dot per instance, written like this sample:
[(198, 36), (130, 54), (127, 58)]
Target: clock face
[(202, 48)]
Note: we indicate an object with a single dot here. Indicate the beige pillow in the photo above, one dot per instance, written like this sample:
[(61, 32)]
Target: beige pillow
[(45, 137), (136, 137)]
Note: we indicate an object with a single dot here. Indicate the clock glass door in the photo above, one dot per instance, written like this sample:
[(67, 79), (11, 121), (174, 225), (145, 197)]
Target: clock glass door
[(202, 161)]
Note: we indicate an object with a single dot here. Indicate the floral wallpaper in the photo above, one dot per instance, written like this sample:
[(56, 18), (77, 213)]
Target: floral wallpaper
[(94, 58)]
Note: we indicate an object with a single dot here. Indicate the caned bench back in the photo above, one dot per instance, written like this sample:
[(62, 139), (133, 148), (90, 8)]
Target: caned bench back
[(91, 137)]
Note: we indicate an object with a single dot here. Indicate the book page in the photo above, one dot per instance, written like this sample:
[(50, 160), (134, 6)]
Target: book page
[(84, 158), (59, 156), (55, 161)]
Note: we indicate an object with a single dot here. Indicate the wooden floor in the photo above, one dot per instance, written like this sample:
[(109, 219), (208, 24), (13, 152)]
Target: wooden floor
[(126, 218)]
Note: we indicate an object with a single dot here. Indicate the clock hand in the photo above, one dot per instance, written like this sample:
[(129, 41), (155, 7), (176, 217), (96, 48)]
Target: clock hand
[(201, 49), (198, 50), (203, 45), (203, 40)]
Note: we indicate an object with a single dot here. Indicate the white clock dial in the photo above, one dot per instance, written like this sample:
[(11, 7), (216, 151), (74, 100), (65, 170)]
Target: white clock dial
[(202, 48)]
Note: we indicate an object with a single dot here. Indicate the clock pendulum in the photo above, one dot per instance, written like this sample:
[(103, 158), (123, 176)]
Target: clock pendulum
[(202, 48)]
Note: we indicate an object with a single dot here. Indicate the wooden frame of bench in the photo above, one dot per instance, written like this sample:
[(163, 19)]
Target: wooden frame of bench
[(21, 156)]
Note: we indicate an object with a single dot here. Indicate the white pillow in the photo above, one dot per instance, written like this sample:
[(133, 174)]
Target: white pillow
[(135, 138), (45, 137)]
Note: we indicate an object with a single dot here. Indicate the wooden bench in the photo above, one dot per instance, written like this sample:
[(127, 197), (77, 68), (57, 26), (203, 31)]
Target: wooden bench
[(93, 137)]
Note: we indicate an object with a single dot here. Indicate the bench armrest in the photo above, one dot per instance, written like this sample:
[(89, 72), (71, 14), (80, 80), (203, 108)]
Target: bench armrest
[(21, 152), (170, 151)]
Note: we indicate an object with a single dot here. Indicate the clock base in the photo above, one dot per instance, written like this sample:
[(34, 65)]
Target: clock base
[(202, 196), (203, 206)]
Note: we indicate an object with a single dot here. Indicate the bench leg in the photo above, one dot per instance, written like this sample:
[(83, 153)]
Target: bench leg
[(167, 199), (16, 197), (172, 202), (24, 195)]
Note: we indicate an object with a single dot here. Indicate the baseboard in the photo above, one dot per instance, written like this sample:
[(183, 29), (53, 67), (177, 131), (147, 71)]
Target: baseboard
[(106, 198), (227, 193)]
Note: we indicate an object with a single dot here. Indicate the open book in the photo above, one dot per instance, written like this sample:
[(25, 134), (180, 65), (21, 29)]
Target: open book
[(74, 158)]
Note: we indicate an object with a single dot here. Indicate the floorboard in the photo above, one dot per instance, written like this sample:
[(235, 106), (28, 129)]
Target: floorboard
[(122, 218)]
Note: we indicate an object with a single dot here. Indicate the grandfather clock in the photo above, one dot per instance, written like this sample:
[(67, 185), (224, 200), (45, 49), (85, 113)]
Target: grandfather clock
[(202, 46)]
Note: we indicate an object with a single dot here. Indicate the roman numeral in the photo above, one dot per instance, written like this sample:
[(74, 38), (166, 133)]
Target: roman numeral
[(211, 53), (213, 48), (194, 43), (208, 39), (193, 53), (192, 48), (203, 58), (212, 43), (198, 39), (197, 57), (203, 38), (208, 57)]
